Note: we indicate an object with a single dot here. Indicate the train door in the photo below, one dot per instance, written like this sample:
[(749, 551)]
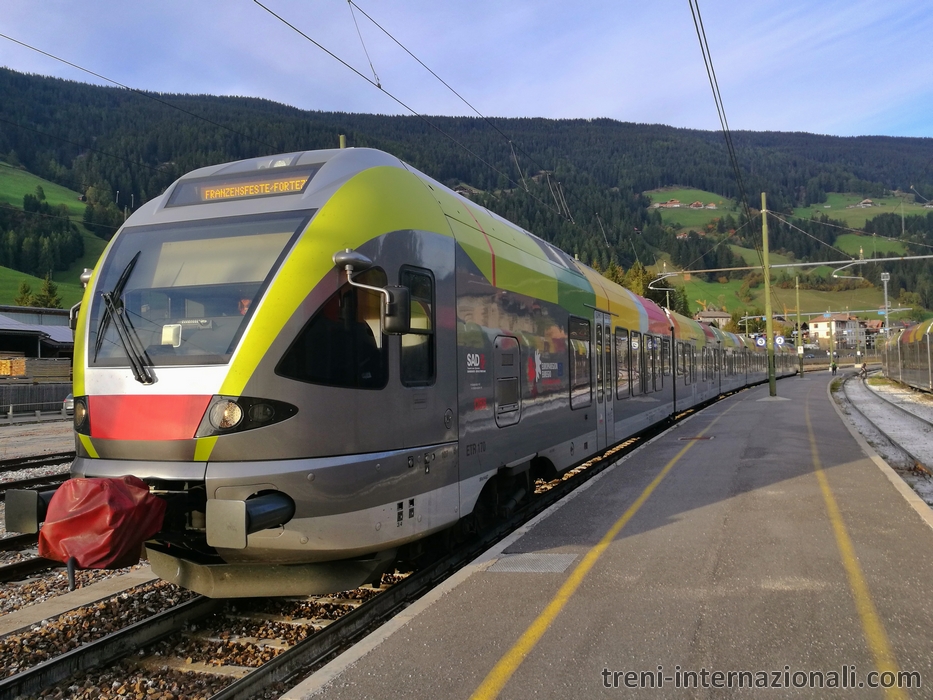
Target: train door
[(426, 366), (601, 357), (508, 382)]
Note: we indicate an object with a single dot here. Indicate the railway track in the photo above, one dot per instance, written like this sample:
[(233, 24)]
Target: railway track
[(313, 638), (35, 461), (24, 465), (18, 570), (13, 542), (171, 647), (908, 433)]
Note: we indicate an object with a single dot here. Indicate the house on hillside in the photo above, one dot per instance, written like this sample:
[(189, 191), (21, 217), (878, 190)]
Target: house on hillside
[(696, 205), (865, 203), (717, 318)]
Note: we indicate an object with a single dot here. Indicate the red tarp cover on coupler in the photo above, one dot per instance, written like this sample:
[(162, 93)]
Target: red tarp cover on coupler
[(102, 523)]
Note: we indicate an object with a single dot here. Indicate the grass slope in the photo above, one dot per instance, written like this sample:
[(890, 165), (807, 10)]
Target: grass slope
[(811, 301), (842, 207), (691, 218), (14, 183), (854, 244)]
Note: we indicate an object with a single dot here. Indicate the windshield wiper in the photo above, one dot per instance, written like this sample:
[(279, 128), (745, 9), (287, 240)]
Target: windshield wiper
[(130, 341), (115, 292), (125, 331)]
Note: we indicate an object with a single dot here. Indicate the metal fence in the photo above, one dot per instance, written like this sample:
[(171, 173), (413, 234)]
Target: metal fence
[(18, 398)]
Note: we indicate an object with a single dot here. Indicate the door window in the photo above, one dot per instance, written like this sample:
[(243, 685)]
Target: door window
[(418, 346), (580, 384)]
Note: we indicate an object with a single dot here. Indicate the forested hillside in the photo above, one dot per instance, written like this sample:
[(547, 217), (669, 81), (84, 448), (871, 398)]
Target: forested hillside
[(576, 183)]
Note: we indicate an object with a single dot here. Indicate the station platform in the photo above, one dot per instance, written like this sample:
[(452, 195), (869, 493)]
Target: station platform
[(759, 549)]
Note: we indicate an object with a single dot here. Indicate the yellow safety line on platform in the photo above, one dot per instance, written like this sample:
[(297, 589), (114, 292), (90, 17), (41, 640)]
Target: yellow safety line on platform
[(493, 684), (872, 627)]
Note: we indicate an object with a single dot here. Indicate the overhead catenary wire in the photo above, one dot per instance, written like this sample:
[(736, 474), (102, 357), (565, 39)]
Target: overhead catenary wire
[(360, 34), (561, 209), (717, 98), (398, 101), (445, 84), (721, 112), (851, 230), (810, 235), (143, 93)]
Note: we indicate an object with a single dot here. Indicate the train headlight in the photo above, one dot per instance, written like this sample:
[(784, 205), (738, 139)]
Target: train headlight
[(225, 415), (234, 414), (81, 422)]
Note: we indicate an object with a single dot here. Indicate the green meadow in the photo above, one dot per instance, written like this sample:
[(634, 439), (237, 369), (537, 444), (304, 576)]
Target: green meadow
[(855, 244), (811, 301), (842, 207), (685, 216), (14, 183), (70, 293)]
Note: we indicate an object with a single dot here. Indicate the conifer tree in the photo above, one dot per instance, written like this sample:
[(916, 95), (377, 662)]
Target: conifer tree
[(24, 296), (47, 297)]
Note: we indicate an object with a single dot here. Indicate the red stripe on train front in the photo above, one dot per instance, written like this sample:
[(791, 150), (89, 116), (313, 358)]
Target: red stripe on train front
[(158, 417)]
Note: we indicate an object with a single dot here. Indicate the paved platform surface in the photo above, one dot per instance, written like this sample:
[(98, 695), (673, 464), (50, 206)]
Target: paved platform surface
[(772, 550)]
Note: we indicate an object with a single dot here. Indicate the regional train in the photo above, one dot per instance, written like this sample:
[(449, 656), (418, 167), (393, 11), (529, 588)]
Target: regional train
[(907, 356), (291, 370)]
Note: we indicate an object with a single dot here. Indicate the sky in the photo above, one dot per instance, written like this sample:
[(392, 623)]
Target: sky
[(845, 68)]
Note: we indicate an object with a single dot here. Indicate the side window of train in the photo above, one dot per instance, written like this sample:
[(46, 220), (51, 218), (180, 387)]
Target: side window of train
[(647, 370), (579, 347), (418, 347), (341, 345), (683, 361), (665, 357), (653, 370), (623, 365), (599, 363), (636, 363)]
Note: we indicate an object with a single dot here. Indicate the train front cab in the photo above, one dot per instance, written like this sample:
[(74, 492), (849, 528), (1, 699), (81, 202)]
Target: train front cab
[(366, 446)]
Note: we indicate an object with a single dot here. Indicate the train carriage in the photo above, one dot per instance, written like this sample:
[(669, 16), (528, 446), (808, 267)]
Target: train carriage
[(310, 362), (908, 357)]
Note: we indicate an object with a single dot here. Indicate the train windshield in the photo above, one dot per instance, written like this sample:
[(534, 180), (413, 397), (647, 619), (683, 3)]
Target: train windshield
[(181, 294)]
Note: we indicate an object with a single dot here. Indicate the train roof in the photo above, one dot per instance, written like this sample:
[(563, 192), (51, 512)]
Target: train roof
[(512, 258)]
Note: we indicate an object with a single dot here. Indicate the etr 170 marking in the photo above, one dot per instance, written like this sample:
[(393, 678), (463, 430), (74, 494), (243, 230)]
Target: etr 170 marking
[(475, 448)]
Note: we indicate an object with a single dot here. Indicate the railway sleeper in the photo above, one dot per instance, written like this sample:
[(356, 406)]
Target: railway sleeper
[(176, 663)]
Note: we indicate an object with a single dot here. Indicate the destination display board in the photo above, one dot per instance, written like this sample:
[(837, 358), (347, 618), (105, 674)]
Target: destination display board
[(252, 185)]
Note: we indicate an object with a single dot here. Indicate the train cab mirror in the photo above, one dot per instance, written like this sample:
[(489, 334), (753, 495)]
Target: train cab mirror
[(396, 309), (351, 261), (396, 312), (73, 316)]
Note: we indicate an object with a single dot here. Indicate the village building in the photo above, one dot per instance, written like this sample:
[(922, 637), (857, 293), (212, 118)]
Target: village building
[(846, 332), (717, 318)]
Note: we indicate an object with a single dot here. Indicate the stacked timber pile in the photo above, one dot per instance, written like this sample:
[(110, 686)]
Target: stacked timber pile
[(45, 371), (12, 365)]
